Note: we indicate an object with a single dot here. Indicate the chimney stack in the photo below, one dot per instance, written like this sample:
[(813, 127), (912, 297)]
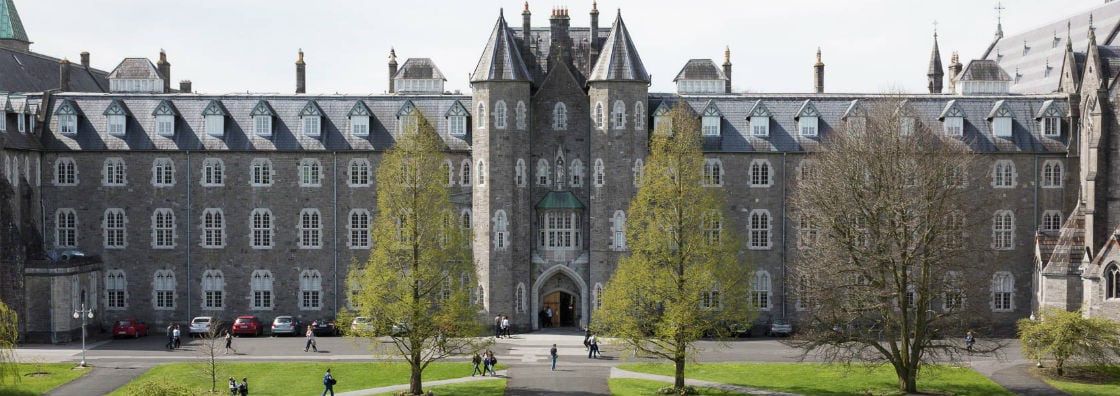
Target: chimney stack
[(393, 69), (594, 31), (954, 71), (85, 59), (164, 70), (727, 69), (301, 74), (526, 33), (185, 86), (818, 74), (561, 43), (64, 75)]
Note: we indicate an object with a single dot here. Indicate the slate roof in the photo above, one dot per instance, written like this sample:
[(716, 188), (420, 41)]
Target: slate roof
[(190, 134), (11, 138), (33, 72), (11, 27), (501, 58), (935, 60), (619, 60), (135, 69), (419, 68), (540, 50), (560, 200), (984, 70), (1065, 251), (1033, 51), (700, 69), (784, 109)]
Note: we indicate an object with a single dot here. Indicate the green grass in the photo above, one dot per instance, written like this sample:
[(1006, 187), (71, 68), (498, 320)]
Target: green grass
[(38, 378), (638, 387), (298, 378), (1105, 381), (478, 388), (822, 379)]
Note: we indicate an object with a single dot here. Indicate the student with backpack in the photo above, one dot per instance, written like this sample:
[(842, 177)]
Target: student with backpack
[(328, 383)]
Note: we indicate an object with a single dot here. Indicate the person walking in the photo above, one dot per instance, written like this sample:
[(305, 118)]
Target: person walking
[(175, 334), (505, 326), (498, 326), (310, 341), (548, 316), (232, 387), (490, 362), (968, 341), (594, 347), (587, 338), (170, 336), (476, 360), (328, 383), (553, 353), (243, 388), (229, 343)]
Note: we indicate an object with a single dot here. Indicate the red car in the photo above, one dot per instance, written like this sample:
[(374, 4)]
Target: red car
[(247, 325), (130, 327)]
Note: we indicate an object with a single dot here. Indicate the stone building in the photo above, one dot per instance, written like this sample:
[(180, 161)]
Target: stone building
[(142, 200)]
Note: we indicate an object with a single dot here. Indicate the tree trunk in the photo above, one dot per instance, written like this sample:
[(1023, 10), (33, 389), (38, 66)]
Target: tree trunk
[(415, 383), (1059, 364), (678, 377), (907, 379)]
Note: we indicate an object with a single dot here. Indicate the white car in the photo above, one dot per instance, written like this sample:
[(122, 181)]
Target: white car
[(200, 326)]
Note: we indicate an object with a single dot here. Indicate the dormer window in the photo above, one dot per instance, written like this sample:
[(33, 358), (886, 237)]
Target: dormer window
[(954, 126), (68, 124), (1001, 119), (808, 119), (262, 119), (662, 122), (710, 120), (165, 118), (310, 119), (759, 117), (406, 118), (906, 126), (359, 119), (1051, 126), (116, 124), (115, 118), (214, 117), (456, 120)]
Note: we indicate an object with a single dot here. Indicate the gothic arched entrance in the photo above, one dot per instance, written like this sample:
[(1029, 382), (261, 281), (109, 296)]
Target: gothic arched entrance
[(564, 291)]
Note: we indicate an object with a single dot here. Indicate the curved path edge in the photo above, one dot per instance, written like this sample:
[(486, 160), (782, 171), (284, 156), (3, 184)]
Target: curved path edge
[(620, 373), (396, 388)]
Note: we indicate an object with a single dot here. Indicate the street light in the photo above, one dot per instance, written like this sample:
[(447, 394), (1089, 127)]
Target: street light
[(84, 314)]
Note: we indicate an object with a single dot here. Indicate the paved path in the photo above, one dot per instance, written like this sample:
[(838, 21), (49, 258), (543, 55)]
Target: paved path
[(619, 373)]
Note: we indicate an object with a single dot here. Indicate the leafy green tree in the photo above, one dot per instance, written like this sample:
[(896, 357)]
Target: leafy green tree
[(1066, 336), (9, 334), (883, 217), (681, 276), (417, 281)]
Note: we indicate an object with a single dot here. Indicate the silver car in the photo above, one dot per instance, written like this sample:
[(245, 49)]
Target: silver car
[(200, 326), (286, 325)]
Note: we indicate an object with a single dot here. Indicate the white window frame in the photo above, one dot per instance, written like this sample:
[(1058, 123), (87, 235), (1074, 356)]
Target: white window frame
[(163, 172), (450, 168), (113, 172), (260, 172), (1050, 126), (560, 117), (116, 124), (480, 175), (114, 229), (639, 116), (1004, 174), (710, 125), (213, 290), (501, 230), (543, 176), (360, 172), (1003, 230), (760, 230), (711, 300), (520, 176), (762, 291), (312, 126), (116, 290), (310, 229), (1051, 220), (600, 178), (760, 126), (618, 115), (500, 115), (953, 126), (163, 228), (457, 125), (559, 230), (65, 172), (67, 124), (163, 290), (215, 125), (359, 126), (1001, 126), (762, 174), (358, 224), (465, 173), (808, 231), (808, 126), (310, 290), (598, 116), (66, 228), (213, 226), (262, 125), (165, 125), (21, 123), (1003, 292), (577, 173), (713, 173), (262, 297), (639, 171), (1052, 174), (618, 231), (262, 229), (952, 295), (310, 172), (213, 172)]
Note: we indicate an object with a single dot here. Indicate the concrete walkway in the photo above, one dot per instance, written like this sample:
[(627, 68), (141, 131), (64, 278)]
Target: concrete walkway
[(619, 373), (427, 384), (102, 380)]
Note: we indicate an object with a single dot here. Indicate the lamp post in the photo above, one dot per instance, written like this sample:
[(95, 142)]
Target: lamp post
[(84, 314)]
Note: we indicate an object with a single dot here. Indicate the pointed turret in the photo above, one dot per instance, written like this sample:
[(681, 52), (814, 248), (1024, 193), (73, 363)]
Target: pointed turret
[(619, 60), (12, 34), (936, 73), (501, 59)]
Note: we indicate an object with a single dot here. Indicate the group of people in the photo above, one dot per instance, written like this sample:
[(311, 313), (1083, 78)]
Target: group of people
[(545, 317), (236, 388), (173, 334), (591, 342), (501, 326), (488, 361)]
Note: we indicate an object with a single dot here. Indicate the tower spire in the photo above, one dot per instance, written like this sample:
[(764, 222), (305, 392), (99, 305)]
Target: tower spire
[(12, 34), (936, 73), (999, 20)]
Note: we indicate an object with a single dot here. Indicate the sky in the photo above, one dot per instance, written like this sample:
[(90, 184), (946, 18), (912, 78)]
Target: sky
[(232, 46)]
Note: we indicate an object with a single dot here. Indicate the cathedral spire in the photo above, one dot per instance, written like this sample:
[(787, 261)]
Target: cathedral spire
[(999, 20), (12, 34), (501, 59), (619, 58), (936, 73)]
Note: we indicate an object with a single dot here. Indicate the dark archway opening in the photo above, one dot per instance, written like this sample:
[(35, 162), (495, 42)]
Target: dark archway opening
[(563, 306)]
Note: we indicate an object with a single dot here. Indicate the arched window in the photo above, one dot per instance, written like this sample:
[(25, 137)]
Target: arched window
[(115, 287), (559, 117), (260, 285), (213, 228), (760, 173), (310, 229), (359, 229), (542, 172), (804, 299), (952, 299), (760, 229), (713, 227), (1003, 292), (1051, 220), (1003, 174), (519, 299), (163, 172), (618, 115), (639, 171), (501, 236), (1052, 174), (481, 116), (310, 290), (359, 172), (465, 173), (65, 172), (713, 172), (618, 230), (66, 228), (113, 172), (1112, 281), (481, 173), (710, 300), (163, 229), (519, 177), (213, 288), (600, 173), (1003, 230), (599, 115), (260, 222), (448, 169), (760, 290), (213, 170), (260, 172), (521, 116), (163, 289), (577, 173), (639, 115), (310, 172), (500, 115), (113, 226)]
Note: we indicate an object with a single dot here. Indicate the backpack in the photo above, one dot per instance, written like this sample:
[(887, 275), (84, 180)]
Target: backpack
[(493, 360), (242, 388), (333, 381)]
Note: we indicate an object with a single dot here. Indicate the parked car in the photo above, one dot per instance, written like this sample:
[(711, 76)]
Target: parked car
[(200, 326), (247, 325), (724, 329), (362, 326), (324, 327), (130, 327), (779, 328), (287, 325)]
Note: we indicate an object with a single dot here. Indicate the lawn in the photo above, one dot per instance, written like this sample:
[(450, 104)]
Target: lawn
[(637, 387), (1089, 381), (270, 378), (38, 378), (822, 379), (477, 388)]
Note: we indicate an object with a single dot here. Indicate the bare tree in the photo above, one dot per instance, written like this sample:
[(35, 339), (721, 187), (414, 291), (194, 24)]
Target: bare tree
[(883, 221), (208, 349)]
